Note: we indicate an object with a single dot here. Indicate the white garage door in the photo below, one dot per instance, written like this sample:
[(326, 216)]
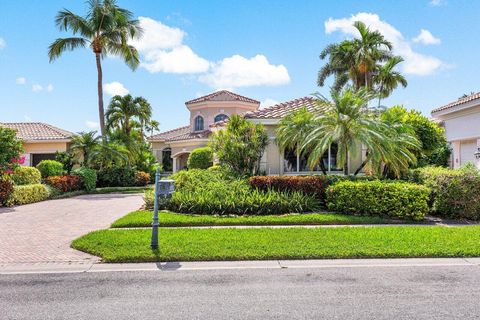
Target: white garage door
[(467, 149)]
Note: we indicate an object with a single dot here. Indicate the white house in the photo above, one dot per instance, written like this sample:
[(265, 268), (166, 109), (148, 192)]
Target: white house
[(461, 120)]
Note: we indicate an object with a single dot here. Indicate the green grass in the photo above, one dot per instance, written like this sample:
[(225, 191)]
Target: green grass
[(284, 243), (121, 189), (143, 218)]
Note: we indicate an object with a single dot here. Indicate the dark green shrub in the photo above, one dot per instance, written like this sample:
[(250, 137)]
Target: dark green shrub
[(67, 159), (6, 189), (89, 177), (29, 194), (50, 168), (200, 158), (394, 199), (116, 177), (26, 175)]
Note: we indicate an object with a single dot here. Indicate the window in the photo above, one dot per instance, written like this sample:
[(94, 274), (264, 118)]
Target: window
[(198, 123), (167, 161), (294, 163), (220, 117)]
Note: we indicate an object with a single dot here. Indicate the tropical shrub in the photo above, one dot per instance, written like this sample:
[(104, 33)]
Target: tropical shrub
[(29, 194), (141, 178), (394, 199), (67, 159), (10, 149), (89, 177), (312, 185), (200, 158), (6, 189), (240, 146), (149, 198), (116, 177), (153, 171), (65, 183), (26, 175), (50, 168)]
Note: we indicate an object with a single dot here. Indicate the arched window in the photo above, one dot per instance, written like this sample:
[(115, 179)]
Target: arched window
[(220, 117), (198, 123), (167, 161)]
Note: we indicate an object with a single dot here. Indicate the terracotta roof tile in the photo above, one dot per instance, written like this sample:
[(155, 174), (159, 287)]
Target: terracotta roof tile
[(191, 135), (460, 101), (31, 131), (223, 95), (280, 110), (170, 134)]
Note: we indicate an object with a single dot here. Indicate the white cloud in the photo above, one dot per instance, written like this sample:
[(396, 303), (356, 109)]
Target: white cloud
[(437, 3), (268, 103), (92, 124), (426, 37), (50, 87), (415, 63), (115, 88), (36, 87), (178, 60), (3, 43), (20, 80), (238, 71), (156, 36)]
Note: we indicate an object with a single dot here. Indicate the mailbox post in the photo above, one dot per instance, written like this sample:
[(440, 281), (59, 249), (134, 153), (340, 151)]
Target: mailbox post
[(163, 189)]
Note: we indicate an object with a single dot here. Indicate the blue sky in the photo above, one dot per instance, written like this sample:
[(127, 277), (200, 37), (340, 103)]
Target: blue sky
[(262, 49)]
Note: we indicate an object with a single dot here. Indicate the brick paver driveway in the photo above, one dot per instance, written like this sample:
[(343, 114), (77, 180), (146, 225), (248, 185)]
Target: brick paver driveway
[(42, 232)]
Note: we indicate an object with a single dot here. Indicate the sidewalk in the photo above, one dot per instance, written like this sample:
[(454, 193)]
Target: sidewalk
[(78, 267)]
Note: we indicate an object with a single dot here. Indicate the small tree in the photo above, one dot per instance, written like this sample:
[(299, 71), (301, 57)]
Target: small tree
[(10, 149), (240, 146), (200, 158)]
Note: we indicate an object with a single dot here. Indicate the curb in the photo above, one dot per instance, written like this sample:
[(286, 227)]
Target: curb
[(84, 267)]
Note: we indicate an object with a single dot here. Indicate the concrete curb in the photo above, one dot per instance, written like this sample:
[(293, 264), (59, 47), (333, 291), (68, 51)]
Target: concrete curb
[(79, 267)]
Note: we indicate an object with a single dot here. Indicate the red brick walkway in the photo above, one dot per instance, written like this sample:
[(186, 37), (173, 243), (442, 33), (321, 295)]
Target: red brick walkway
[(42, 232)]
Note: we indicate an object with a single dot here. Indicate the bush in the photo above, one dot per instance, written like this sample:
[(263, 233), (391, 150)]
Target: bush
[(394, 199), (67, 159), (65, 183), (26, 175), (89, 177), (216, 192), (29, 194), (142, 178), (116, 177), (50, 168), (6, 189), (312, 185), (149, 198), (200, 158)]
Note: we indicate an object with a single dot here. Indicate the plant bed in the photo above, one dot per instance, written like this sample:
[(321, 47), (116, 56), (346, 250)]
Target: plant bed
[(143, 218), (284, 243)]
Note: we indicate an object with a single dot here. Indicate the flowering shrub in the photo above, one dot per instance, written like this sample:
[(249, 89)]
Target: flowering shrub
[(10, 150), (141, 178), (65, 183)]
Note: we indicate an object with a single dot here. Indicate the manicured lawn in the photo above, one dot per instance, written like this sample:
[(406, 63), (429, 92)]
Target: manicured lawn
[(167, 219), (284, 243)]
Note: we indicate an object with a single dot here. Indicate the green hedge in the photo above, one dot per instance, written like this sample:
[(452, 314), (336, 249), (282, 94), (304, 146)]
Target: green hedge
[(89, 177), (29, 194), (116, 177), (50, 168), (200, 158), (394, 199), (26, 175)]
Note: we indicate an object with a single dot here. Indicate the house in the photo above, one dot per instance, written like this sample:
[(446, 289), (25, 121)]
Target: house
[(461, 120), (40, 140), (210, 112)]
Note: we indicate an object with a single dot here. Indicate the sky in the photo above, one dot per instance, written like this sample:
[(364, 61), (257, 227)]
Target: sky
[(263, 49)]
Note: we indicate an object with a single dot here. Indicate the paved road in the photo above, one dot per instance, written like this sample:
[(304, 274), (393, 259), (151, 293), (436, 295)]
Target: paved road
[(440, 292), (42, 232)]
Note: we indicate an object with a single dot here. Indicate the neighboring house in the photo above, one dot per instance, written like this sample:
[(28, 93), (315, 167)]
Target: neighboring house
[(461, 120), (210, 112), (40, 140)]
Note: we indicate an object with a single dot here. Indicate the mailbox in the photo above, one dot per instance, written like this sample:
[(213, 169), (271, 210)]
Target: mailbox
[(165, 188)]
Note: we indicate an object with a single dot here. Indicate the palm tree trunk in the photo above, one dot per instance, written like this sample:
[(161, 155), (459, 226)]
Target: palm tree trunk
[(380, 94), (345, 164), (101, 111)]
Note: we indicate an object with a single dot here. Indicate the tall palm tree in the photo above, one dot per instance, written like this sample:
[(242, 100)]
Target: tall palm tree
[(123, 111), (84, 143), (387, 79), (355, 59), (106, 29)]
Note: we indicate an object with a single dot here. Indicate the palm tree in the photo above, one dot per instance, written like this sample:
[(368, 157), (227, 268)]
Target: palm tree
[(152, 126), (387, 79), (355, 60), (106, 29), (123, 111), (84, 143)]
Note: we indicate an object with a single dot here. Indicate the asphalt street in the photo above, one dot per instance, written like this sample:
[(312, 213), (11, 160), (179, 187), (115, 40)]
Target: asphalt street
[(426, 292)]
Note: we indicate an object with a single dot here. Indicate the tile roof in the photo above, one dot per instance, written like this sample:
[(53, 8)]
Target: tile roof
[(280, 110), (223, 95), (460, 101), (191, 135), (31, 131), (170, 134)]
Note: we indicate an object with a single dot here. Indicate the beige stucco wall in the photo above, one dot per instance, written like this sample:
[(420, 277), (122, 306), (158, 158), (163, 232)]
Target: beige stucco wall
[(42, 147)]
